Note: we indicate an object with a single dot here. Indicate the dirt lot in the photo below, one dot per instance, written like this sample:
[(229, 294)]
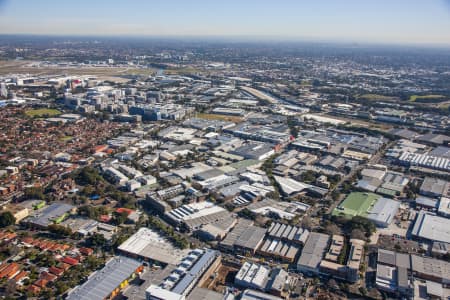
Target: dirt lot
[(223, 275)]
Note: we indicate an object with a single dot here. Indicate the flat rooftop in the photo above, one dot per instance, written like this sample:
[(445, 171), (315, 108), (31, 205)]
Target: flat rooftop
[(48, 215), (314, 250), (432, 227), (103, 282), (149, 244)]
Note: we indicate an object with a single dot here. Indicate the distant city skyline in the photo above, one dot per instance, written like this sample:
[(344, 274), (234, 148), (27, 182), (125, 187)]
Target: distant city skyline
[(371, 21)]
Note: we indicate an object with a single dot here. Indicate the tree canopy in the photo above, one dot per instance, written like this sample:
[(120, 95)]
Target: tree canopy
[(7, 219)]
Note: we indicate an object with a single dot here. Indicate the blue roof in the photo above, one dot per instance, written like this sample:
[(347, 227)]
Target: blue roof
[(196, 271)]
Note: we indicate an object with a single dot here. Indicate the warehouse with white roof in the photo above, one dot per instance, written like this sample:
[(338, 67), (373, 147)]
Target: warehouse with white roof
[(431, 227), (149, 245)]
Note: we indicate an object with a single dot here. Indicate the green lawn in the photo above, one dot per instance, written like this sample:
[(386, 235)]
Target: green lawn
[(42, 112), (234, 119), (356, 204), (66, 138), (427, 98), (374, 97)]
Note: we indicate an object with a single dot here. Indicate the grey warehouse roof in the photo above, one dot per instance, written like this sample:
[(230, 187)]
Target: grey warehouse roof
[(103, 282), (314, 249)]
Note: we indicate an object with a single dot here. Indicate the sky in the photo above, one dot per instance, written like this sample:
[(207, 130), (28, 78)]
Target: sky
[(373, 21)]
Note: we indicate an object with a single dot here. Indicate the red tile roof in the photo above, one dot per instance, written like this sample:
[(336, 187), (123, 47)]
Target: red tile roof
[(47, 276), (56, 271), (40, 283), (69, 260), (86, 251)]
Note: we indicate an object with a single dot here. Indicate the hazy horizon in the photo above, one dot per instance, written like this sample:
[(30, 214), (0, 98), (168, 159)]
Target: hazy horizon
[(414, 22)]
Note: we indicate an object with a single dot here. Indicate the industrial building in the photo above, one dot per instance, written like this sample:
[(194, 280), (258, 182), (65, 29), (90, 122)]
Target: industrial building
[(383, 212), (216, 230), (16, 210), (207, 259), (287, 232), (256, 151), (279, 249), (275, 281), (434, 187), (252, 276), (117, 176), (244, 238), (194, 215), (375, 208), (191, 271), (205, 294), (431, 227), (208, 125), (55, 213), (444, 207), (396, 272), (149, 245), (392, 272), (350, 271), (228, 111), (290, 186), (284, 210), (424, 160), (155, 292), (283, 242), (107, 282), (313, 252), (378, 179), (250, 294)]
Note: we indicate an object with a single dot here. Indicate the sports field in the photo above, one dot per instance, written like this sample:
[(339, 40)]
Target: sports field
[(42, 112), (376, 97), (428, 98), (233, 119), (356, 204)]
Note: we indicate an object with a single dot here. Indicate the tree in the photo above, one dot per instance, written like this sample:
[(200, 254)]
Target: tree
[(246, 213), (292, 127), (363, 290), (34, 193), (120, 218), (92, 212), (10, 288), (59, 230), (308, 176), (332, 229), (343, 255), (335, 195), (358, 234), (88, 190), (61, 287), (306, 222), (87, 175), (177, 240), (362, 224), (7, 219), (96, 240), (332, 284), (446, 257)]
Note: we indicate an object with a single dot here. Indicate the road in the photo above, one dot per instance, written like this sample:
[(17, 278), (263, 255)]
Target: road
[(373, 160)]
